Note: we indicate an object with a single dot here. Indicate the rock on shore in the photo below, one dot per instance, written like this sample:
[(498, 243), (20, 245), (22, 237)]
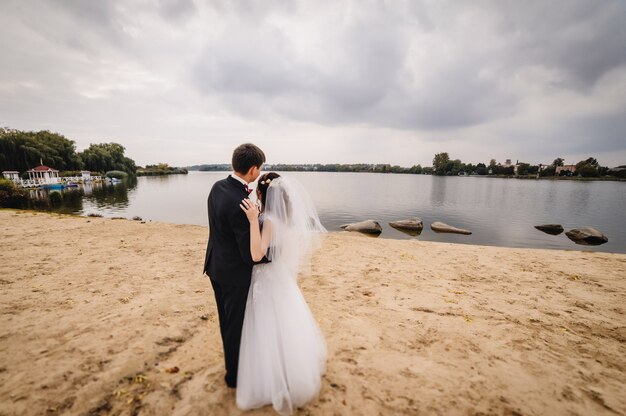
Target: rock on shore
[(440, 227), (552, 229), (587, 236), (367, 227), (413, 226)]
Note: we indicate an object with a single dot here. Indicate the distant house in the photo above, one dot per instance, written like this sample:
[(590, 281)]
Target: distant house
[(11, 175), (44, 174), (619, 171), (508, 164), (86, 175), (567, 168)]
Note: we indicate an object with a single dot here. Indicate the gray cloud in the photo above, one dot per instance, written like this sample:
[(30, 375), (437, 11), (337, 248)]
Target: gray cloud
[(583, 39), (456, 83), (176, 10)]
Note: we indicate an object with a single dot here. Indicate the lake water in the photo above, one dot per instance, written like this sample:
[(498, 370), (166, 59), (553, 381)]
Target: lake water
[(499, 212)]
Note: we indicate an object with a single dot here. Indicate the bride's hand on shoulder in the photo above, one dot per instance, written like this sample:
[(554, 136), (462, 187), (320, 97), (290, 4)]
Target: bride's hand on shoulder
[(251, 210)]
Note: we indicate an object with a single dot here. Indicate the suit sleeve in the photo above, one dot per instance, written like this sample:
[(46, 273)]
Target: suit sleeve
[(241, 228)]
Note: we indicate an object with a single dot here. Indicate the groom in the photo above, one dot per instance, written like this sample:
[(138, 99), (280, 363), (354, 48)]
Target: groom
[(228, 261)]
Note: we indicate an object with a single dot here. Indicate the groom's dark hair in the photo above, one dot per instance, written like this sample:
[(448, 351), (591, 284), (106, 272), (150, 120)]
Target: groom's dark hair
[(247, 155)]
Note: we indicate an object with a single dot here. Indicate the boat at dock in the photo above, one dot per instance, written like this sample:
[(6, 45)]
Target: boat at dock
[(53, 186)]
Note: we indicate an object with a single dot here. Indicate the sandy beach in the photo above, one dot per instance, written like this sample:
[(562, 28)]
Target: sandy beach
[(103, 316)]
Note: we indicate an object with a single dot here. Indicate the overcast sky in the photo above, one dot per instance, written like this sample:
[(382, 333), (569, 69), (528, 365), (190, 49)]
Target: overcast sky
[(184, 82)]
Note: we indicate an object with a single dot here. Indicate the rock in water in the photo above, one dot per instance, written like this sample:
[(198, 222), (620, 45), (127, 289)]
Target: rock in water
[(553, 229), (587, 236), (367, 227), (413, 226), (440, 227)]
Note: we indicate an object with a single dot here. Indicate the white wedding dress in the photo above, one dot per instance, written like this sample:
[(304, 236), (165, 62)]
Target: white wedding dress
[(282, 354)]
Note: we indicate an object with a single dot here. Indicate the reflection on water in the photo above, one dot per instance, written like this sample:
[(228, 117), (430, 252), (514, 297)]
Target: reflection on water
[(438, 192), (501, 212), (86, 198), (64, 202), (109, 196)]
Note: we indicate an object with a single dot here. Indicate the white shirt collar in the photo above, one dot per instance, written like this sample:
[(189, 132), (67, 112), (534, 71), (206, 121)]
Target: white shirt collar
[(239, 179)]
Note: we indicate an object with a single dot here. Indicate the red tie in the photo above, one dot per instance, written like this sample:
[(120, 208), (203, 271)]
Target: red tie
[(248, 190)]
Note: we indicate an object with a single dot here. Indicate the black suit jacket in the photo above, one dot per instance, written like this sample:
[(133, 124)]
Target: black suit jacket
[(228, 259)]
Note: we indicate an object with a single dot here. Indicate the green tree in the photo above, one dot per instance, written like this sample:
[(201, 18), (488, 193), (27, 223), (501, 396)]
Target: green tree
[(481, 169), (557, 162), (588, 168), (503, 170), (24, 150), (454, 167), (440, 162), (11, 196), (590, 161), (522, 169), (416, 169), (105, 157), (587, 171)]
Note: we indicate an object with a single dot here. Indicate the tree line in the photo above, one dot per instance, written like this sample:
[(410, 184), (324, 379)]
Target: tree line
[(443, 166), (588, 168), (160, 170), (24, 150), (336, 167), (317, 167)]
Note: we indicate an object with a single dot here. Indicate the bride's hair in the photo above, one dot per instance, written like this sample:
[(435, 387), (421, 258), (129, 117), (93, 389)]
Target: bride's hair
[(265, 181)]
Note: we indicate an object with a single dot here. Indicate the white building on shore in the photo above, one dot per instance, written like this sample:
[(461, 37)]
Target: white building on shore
[(12, 175), (44, 175)]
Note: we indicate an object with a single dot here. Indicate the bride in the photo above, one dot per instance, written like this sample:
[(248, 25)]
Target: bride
[(282, 354)]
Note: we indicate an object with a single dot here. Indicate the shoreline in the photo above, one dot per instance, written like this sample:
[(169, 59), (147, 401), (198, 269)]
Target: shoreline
[(575, 247), (97, 315)]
